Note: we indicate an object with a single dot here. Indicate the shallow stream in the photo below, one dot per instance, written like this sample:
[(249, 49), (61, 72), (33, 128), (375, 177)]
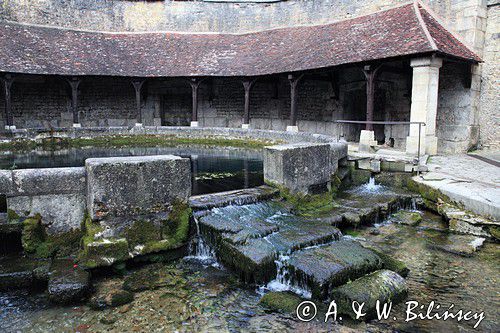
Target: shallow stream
[(209, 299)]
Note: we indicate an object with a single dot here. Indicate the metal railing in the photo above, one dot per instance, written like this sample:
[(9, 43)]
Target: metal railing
[(419, 123)]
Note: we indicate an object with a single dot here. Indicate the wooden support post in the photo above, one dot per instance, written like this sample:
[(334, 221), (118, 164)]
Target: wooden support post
[(294, 81), (74, 82), (195, 84), (7, 81), (138, 86), (247, 85), (370, 74)]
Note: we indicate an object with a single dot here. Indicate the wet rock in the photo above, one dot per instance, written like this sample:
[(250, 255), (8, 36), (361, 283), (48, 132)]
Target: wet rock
[(17, 272), (462, 245), (109, 294), (252, 261), (383, 285), (325, 267), (391, 263), (68, 283), (104, 252), (284, 302), (407, 217), (237, 197), (153, 277)]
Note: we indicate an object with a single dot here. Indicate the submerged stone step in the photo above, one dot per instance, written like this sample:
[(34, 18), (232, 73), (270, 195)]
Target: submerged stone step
[(20, 272), (236, 197), (68, 282), (325, 267), (383, 285)]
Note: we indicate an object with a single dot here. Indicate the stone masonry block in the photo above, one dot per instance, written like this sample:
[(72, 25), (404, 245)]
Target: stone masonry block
[(43, 181), (120, 186), (5, 181), (299, 166)]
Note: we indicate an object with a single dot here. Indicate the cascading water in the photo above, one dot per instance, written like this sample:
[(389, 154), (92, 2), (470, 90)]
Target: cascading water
[(200, 250)]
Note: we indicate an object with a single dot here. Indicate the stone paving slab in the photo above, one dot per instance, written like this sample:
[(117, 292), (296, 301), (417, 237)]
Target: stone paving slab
[(326, 267), (473, 183), (238, 197)]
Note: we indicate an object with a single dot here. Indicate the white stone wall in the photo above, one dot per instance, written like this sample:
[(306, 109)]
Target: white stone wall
[(489, 115)]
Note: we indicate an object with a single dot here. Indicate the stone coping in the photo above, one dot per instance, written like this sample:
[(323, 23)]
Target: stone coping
[(178, 131)]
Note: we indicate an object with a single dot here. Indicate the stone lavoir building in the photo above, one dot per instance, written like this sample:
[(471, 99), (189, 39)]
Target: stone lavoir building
[(281, 65)]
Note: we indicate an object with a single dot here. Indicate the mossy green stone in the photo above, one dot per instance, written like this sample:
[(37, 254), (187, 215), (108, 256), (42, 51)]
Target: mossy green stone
[(284, 302)]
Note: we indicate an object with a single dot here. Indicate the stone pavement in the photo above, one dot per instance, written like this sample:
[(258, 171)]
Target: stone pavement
[(468, 180)]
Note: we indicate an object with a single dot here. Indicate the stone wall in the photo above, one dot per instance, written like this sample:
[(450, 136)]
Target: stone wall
[(489, 117)]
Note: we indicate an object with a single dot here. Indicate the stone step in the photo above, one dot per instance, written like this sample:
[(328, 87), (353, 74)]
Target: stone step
[(383, 285), (68, 283), (323, 268), (18, 272), (235, 197)]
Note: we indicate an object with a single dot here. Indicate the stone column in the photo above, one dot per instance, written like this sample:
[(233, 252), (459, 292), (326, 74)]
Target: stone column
[(195, 83), (7, 81), (138, 86), (367, 137), (294, 82), (74, 83), (424, 100), (247, 85)]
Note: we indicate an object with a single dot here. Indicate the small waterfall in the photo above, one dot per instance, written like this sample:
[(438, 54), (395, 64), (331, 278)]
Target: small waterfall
[(283, 280), (201, 250)]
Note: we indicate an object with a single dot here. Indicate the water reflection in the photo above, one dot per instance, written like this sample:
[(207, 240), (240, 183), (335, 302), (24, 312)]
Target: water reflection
[(213, 169)]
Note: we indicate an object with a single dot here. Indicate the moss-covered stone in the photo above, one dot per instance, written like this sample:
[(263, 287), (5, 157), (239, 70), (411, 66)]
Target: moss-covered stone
[(391, 263), (12, 216), (142, 232), (154, 276), (175, 229), (495, 232), (104, 252), (283, 302), (309, 205), (55, 143), (384, 286), (33, 234), (359, 176), (407, 217)]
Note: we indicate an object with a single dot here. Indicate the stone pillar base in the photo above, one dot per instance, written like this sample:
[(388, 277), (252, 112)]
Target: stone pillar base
[(428, 145), (77, 125), (367, 140), (412, 145), (292, 128), (194, 124), (245, 126), (138, 125)]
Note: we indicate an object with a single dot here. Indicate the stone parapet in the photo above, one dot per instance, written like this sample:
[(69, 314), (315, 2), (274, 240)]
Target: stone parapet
[(299, 167), (121, 186)]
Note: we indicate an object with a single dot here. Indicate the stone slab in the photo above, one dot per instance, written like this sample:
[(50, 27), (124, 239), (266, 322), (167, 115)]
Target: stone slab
[(326, 267), (68, 283), (383, 286), (236, 197), (6, 182), (120, 186)]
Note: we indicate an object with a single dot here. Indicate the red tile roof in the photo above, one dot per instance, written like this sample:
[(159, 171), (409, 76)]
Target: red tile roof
[(400, 31)]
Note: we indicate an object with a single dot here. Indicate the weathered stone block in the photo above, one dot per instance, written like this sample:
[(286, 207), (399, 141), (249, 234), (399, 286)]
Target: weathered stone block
[(5, 181), (60, 212), (30, 182), (119, 186), (298, 167), (382, 286)]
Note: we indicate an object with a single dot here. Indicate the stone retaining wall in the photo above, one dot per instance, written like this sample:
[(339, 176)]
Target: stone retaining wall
[(142, 184)]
